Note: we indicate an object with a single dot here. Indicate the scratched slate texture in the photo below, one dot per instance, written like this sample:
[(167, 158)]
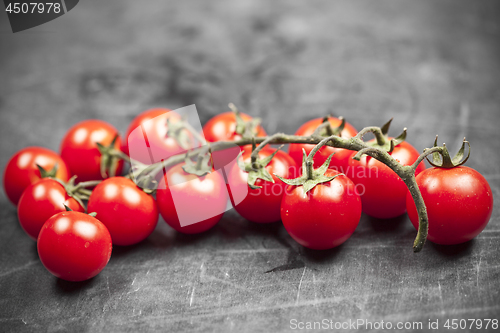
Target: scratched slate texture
[(432, 65)]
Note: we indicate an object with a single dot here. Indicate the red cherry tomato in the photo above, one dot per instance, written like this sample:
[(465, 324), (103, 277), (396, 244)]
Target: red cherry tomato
[(459, 204), (74, 246), (262, 205), (326, 216), (151, 125), (339, 160), (40, 201), (382, 192), (79, 149), (21, 170), (191, 204), (129, 214), (222, 127)]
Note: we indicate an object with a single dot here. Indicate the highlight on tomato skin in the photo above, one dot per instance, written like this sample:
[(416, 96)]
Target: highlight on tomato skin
[(74, 246), (141, 118), (40, 201), (222, 127), (147, 135), (22, 171), (80, 152), (459, 204), (129, 214), (326, 216), (191, 204), (339, 160)]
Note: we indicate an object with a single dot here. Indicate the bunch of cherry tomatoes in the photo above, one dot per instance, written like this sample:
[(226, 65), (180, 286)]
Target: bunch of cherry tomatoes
[(49, 190)]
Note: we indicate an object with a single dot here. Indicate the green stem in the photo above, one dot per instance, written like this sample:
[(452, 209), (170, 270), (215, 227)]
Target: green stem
[(426, 153), (318, 147), (325, 124), (120, 154), (255, 152), (234, 109), (381, 139), (84, 191), (309, 169), (423, 220), (329, 130), (406, 173), (373, 150), (199, 159), (310, 157), (90, 183)]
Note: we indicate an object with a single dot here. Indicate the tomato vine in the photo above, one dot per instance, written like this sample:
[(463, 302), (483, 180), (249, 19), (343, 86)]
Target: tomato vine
[(106, 156), (144, 174)]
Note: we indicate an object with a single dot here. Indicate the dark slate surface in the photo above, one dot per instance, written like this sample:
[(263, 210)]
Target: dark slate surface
[(433, 66)]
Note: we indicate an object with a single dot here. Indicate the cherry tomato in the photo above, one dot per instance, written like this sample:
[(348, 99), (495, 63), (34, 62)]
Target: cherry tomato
[(40, 201), (459, 204), (191, 204), (21, 170), (129, 214), (222, 127), (261, 205), (151, 125), (339, 160), (326, 216), (382, 192), (74, 246), (79, 149)]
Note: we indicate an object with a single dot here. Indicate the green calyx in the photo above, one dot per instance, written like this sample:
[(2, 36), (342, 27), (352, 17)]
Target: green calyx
[(47, 174), (311, 177), (202, 165), (109, 158), (325, 129), (147, 183), (75, 191), (79, 191), (142, 175), (383, 142), (246, 129), (257, 169), (445, 161)]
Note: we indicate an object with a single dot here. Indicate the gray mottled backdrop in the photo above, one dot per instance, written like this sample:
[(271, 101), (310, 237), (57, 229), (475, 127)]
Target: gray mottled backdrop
[(432, 65)]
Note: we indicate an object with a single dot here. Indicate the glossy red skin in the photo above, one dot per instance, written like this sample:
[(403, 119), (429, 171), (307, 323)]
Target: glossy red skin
[(129, 214), (21, 170), (201, 196), (382, 192), (40, 201), (339, 160), (79, 149), (222, 127), (326, 217), (459, 204), (262, 205), (154, 123), (74, 246)]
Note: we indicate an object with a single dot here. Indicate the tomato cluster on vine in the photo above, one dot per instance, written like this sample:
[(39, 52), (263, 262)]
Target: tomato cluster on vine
[(318, 189)]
